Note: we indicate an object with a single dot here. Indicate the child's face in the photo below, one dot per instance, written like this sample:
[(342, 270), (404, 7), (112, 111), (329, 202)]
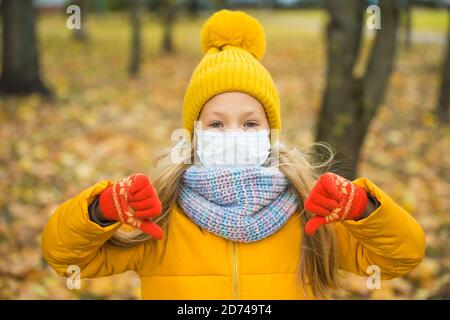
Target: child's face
[(233, 110)]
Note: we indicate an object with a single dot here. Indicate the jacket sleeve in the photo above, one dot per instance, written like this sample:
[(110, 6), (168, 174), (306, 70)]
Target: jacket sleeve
[(71, 238), (389, 238)]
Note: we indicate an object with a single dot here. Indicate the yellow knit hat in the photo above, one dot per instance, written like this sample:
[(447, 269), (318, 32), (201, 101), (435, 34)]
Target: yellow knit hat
[(233, 43)]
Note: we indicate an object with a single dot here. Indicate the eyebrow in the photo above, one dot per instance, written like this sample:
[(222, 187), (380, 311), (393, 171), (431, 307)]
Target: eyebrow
[(216, 113), (248, 113), (221, 113)]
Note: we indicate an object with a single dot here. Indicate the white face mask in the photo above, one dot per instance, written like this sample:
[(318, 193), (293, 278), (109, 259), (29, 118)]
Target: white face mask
[(232, 148)]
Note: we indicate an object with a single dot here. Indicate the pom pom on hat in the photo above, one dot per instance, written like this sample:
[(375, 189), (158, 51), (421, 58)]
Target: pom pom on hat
[(234, 28)]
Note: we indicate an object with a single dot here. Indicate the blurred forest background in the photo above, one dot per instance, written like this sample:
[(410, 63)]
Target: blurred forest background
[(79, 106)]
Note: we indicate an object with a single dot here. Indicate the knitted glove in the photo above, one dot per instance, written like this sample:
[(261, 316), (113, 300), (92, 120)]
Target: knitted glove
[(134, 201), (334, 198)]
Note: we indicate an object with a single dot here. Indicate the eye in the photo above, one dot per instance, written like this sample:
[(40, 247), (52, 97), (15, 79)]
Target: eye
[(250, 124), (216, 124)]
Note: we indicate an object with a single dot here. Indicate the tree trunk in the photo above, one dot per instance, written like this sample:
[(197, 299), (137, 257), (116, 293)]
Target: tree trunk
[(20, 61), (81, 33), (193, 7), (350, 103), (135, 56), (222, 4), (170, 11), (408, 24), (443, 108)]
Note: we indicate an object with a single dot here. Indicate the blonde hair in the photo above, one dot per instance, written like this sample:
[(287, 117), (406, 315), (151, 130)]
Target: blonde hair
[(318, 264)]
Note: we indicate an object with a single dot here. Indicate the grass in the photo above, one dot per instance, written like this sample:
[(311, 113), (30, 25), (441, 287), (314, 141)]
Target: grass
[(427, 19)]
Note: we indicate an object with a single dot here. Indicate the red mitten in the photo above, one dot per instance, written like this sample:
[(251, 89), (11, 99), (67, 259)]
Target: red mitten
[(134, 201), (334, 198)]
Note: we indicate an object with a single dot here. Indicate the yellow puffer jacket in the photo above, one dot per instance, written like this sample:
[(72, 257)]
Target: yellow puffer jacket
[(201, 265)]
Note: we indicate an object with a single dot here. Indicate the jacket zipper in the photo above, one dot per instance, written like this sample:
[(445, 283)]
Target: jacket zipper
[(235, 290)]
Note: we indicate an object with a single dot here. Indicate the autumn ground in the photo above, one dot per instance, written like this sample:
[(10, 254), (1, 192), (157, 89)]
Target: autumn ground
[(103, 124)]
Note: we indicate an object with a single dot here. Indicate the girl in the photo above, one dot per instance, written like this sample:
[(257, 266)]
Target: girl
[(259, 224)]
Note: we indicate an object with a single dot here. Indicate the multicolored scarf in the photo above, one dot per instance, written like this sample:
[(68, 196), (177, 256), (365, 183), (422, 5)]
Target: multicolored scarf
[(243, 204)]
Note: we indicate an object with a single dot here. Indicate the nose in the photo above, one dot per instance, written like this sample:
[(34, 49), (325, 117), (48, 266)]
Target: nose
[(233, 124)]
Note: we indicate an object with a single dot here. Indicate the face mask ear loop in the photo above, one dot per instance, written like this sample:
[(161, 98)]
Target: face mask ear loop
[(196, 137), (268, 147), (275, 146)]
